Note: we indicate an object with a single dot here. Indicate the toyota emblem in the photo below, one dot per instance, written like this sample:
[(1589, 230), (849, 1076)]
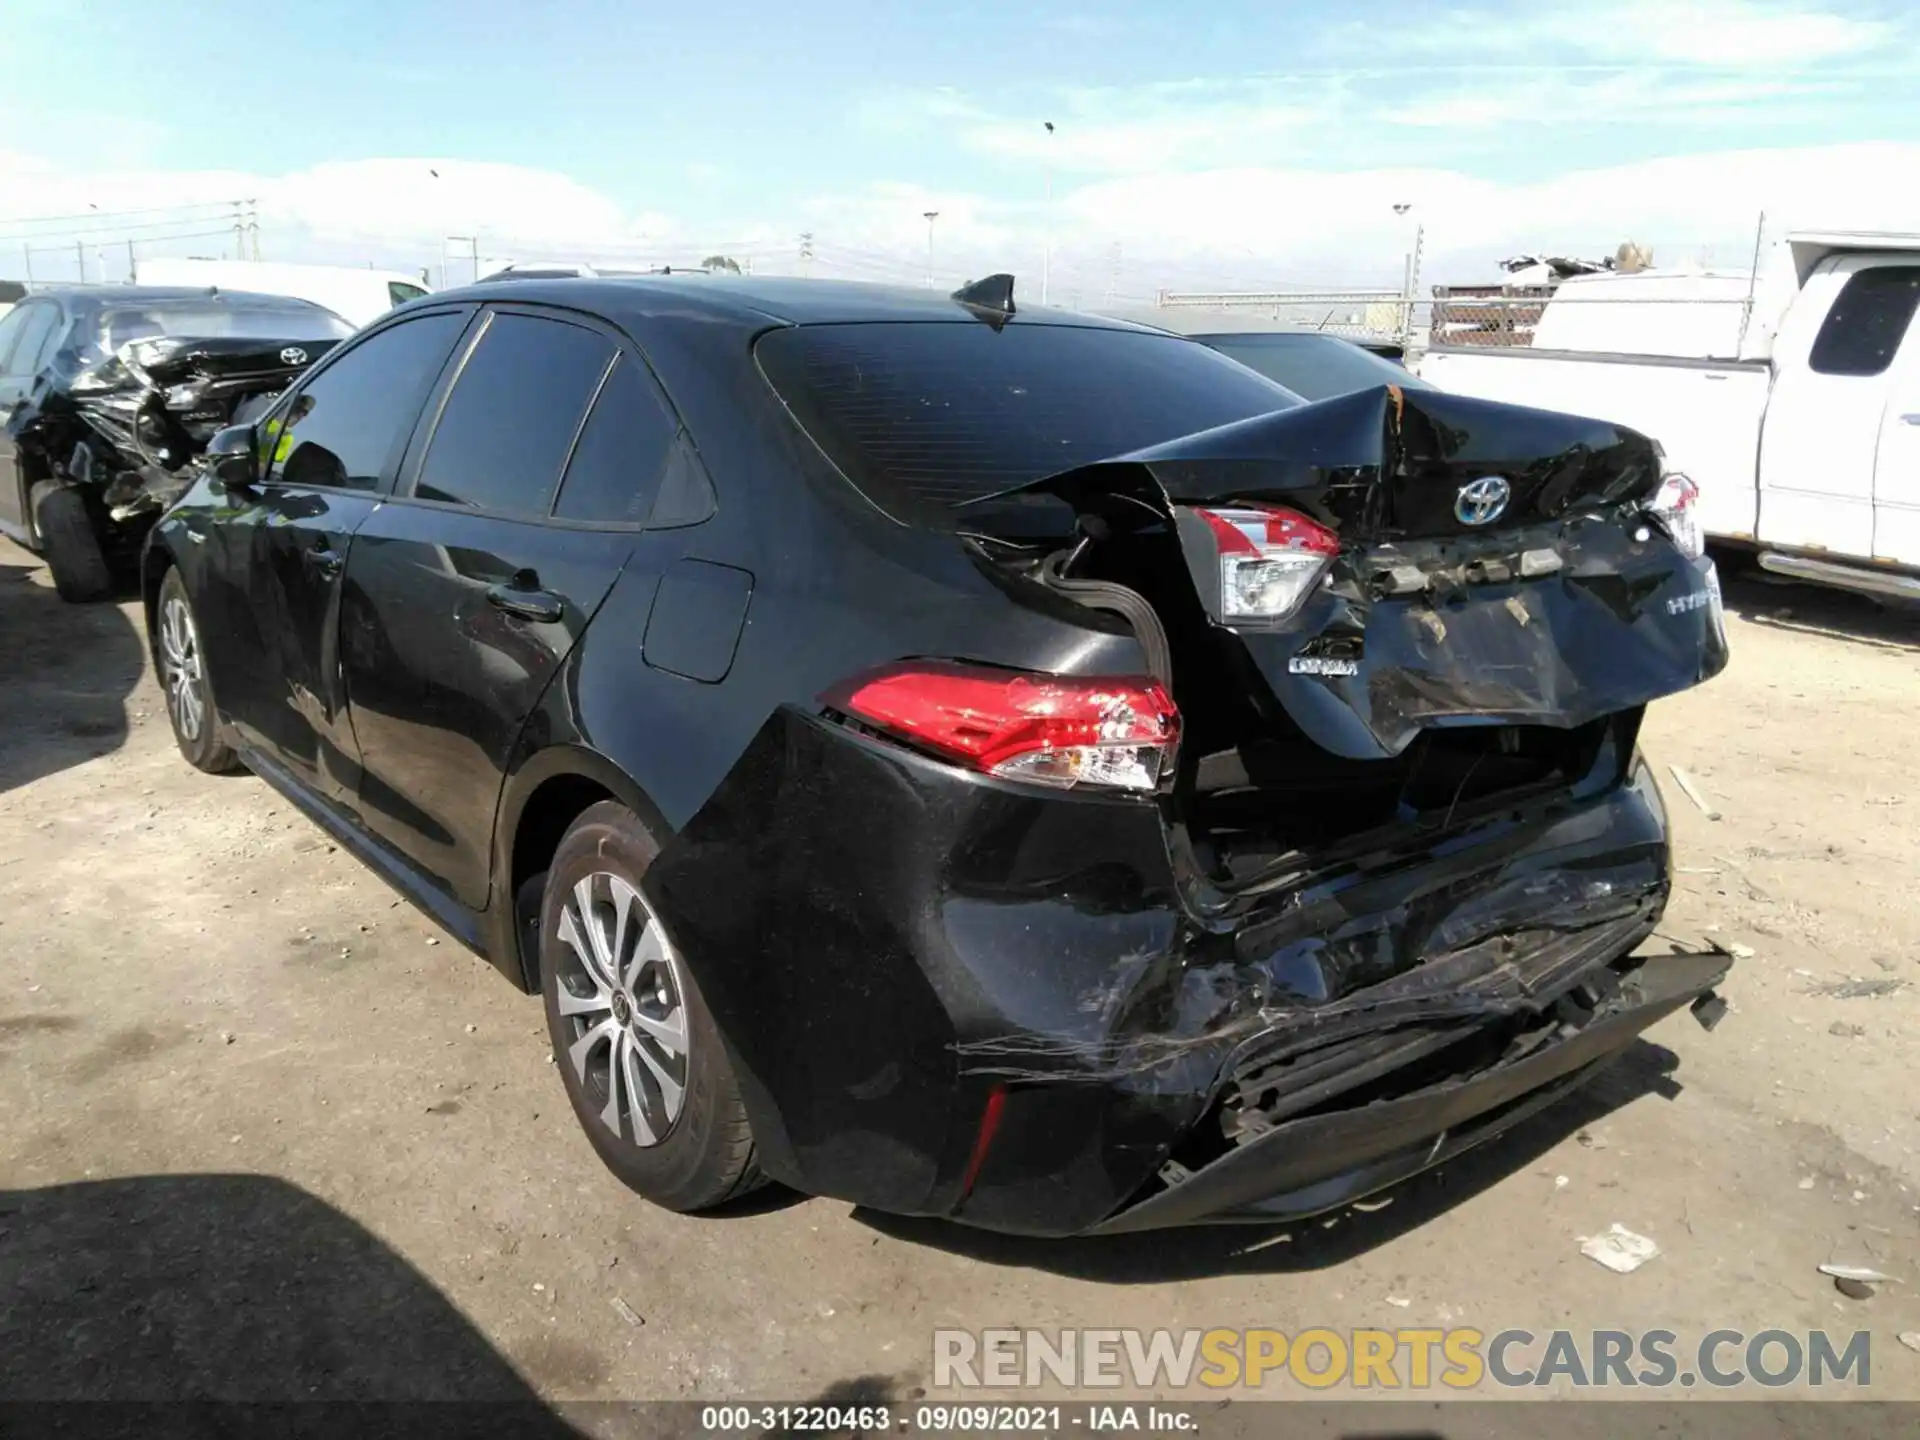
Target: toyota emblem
[(294, 355), (1482, 501)]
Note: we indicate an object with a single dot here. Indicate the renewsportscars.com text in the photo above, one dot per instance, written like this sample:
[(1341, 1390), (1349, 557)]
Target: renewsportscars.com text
[(1412, 1359)]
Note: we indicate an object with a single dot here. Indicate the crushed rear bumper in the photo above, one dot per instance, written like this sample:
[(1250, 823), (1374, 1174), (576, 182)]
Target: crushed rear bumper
[(948, 995), (1309, 1165)]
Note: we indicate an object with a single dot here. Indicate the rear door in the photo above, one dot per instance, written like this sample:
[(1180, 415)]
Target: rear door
[(272, 636), (518, 506), (1896, 464), (1824, 419)]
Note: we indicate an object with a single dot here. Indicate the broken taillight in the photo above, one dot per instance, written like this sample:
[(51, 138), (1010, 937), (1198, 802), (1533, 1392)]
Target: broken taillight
[(1270, 559), (1676, 505), (1060, 730)]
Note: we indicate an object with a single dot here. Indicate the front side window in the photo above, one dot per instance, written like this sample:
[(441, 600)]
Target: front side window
[(341, 430), (1868, 321), (512, 416), (32, 340)]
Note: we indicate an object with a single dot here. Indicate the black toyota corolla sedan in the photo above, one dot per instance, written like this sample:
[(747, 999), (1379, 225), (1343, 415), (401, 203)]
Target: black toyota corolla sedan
[(964, 759)]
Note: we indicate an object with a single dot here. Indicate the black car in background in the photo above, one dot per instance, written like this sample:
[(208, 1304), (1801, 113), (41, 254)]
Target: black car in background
[(1312, 365), (966, 760), (108, 393)]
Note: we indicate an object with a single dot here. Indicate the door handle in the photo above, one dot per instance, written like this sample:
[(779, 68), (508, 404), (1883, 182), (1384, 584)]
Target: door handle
[(527, 602), (327, 562)]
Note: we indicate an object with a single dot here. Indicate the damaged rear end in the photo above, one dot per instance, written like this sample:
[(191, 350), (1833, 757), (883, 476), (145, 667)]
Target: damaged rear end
[(1410, 638), (150, 408), (1343, 865)]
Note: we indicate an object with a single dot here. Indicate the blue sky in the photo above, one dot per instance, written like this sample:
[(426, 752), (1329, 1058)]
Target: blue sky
[(1262, 140)]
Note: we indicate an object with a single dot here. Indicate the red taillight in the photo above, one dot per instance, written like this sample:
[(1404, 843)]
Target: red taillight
[(1051, 729), (1270, 559)]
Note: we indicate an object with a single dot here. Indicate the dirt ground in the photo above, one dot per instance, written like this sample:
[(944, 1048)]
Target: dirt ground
[(240, 1078)]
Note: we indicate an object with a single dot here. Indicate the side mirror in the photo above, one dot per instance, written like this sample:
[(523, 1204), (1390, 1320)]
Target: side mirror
[(231, 459)]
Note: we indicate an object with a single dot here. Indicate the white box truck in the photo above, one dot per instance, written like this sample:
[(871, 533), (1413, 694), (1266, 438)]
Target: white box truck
[(1790, 395), (357, 296)]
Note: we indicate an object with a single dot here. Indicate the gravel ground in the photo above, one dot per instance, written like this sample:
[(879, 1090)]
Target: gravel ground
[(272, 1134)]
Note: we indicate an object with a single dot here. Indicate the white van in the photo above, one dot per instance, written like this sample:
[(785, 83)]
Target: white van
[(357, 296)]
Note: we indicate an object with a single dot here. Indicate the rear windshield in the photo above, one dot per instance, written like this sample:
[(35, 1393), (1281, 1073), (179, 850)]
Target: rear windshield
[(1315, 367), (203, 321), (943, 413)]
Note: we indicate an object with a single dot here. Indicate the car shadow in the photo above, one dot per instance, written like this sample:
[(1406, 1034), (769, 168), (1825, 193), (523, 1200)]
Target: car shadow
[(138, 1294), (68, 670), (1761, 598), (1157, 1256)]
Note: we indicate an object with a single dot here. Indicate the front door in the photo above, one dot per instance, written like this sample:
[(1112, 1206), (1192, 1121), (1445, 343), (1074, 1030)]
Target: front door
[(331, 449), (29, 334), (1823, 424), (466, 592)]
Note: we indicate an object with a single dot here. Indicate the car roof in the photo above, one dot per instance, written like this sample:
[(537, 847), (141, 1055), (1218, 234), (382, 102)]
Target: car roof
[(790, 300)]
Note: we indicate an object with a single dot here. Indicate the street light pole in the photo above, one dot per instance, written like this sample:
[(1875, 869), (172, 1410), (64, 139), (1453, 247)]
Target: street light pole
[(932, 215), (1046, 253)]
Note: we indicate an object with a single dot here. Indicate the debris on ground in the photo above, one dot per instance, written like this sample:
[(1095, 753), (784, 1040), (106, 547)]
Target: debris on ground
[(1846, 1031), (1806, 1182), (1862, 1273), (627, 1313), (1910, 1339), (1399, 1302), (1857, 989), (1739, 951), (227, 1037), (1692, 792), (1619, 1249)]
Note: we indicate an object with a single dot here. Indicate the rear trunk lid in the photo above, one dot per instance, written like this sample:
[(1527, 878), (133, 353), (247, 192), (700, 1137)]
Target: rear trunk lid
[(1461, 563)]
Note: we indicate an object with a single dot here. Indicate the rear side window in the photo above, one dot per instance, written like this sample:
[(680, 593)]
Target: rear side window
[(399, 292), (512, 417), (616, 466), (344, 425), (1868, 320), (942, 413)]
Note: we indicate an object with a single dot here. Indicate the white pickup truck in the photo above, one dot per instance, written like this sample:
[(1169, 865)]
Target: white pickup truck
[(1790, 395)]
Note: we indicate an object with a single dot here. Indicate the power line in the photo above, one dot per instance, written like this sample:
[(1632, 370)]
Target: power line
[(110, 214)]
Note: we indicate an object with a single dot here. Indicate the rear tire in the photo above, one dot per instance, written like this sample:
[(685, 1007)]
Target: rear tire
[(183, 676), (68, 542), (641, 1058)]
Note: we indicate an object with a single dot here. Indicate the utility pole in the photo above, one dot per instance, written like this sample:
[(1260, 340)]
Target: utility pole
[(806, 253), (239, 230), (26, 253), (130, 264), (932, 215), (253, 226), (80, 254), (1046, 252)]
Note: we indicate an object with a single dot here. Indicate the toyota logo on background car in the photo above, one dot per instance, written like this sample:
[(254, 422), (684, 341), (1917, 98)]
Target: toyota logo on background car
[(1482, 501), (293, 355)]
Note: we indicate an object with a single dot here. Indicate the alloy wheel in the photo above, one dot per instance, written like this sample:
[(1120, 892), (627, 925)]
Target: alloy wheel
[(181, 669), (620, 998)]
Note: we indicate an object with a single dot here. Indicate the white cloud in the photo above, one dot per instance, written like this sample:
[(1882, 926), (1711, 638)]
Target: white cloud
[(1707, 33)]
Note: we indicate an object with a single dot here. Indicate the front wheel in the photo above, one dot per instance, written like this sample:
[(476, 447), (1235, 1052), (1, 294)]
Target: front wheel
[(640, 1056), (183, 673)]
